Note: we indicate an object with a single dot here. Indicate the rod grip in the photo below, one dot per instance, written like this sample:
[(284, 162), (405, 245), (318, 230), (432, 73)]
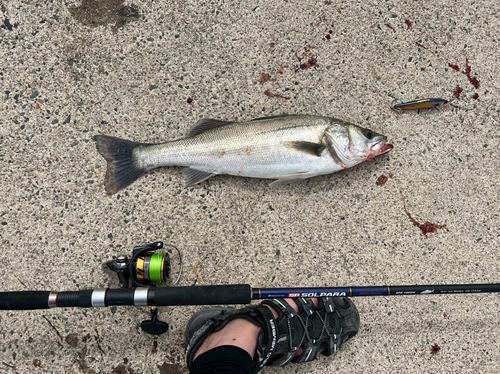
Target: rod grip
[(202, 295), (24, 300)]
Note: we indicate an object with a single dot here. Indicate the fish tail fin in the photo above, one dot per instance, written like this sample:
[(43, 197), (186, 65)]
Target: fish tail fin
[(122, 170)]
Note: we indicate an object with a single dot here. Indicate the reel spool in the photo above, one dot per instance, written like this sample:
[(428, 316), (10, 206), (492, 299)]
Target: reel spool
[(145, 267)]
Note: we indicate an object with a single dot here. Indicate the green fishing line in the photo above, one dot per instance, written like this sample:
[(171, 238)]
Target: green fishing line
[(155, 267)]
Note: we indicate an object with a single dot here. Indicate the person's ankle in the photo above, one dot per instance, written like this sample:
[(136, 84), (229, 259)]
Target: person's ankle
[(240, 333)]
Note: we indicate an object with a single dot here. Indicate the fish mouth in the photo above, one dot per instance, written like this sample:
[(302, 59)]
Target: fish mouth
[(380, 147)]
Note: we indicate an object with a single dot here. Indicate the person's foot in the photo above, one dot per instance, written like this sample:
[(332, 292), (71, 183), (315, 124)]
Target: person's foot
[(241, 333), (276, 332)]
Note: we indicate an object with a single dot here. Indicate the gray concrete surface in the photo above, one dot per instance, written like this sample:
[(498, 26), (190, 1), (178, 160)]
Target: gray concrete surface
[(72, 70)]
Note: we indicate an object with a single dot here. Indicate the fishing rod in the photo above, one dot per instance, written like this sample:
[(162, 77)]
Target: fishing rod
[(137, 275)]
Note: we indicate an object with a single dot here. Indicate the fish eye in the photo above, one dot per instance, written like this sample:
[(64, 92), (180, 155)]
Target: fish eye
[(368, 134)]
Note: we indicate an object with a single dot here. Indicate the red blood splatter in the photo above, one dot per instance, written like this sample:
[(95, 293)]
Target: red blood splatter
[(382, 180), (270, 94), (457, 92), (328, 3), (472, 80), (266, 77), (468, 71), (367, 118), (435, 349), (189, 100), (445, 315), (342, 218), (271, 45), (408, 24), (309, 64), (404, 139), (427, 227), (330, 31), (328, 36), (389, 26), (424, 47), (476, 96)]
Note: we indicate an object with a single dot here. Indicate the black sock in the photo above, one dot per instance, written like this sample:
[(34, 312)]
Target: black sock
[(226, 359)]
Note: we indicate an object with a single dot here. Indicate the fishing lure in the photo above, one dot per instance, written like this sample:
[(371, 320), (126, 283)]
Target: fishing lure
[(420, 104)]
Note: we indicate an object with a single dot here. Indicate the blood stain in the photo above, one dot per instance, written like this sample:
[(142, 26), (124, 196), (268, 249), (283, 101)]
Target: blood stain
[(189, 100), (328, 36), (266, 77), (468, 71), (457, 92), (424, 47), (445, 315), (408, 24), (427, 227), (270, 94), (472, 80), (389, 26), (382, 180), (435, 349), (309, 64), (476, 96)]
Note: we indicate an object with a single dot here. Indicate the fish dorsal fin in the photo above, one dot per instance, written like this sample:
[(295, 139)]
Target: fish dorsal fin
[(206, 124), (271, 117), (313, 149)]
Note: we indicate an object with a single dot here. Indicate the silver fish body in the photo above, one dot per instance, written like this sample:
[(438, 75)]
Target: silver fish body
[(285, 148)]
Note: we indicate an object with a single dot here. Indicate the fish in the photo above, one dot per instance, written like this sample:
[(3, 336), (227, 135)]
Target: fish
[(427, 292), (287, 148), (420, 104)]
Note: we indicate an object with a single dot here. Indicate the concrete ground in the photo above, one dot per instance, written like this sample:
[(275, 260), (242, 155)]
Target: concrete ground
[(148, 70)]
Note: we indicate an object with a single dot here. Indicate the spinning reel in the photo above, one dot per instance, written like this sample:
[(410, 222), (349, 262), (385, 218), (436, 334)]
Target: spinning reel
[(143, 269)]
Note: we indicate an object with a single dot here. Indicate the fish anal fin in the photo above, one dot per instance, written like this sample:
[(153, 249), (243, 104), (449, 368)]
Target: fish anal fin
[(206, 124), (310, 148), (195, 176)]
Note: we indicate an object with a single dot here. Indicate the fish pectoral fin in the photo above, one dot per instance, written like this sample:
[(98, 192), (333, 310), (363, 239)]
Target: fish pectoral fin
[(290, 178), (194, 176), (310, 148), (206, 124)]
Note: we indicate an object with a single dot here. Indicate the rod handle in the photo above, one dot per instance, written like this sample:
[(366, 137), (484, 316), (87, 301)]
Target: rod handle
[(203, 295), (24, 300)]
